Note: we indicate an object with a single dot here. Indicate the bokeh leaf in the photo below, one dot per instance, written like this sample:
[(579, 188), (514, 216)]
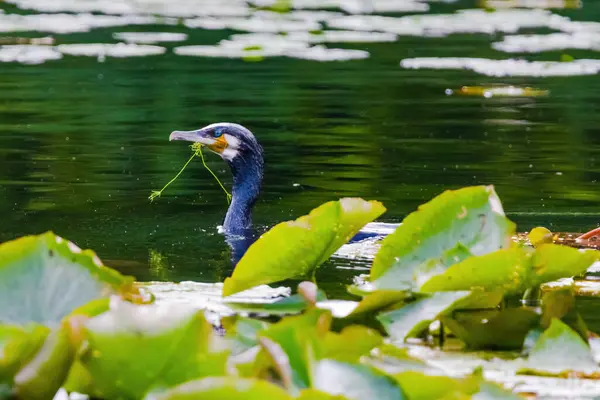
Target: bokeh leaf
[(230, 388), (466, 220), (414, 317), (169, 346), (354, 381), (44, 278), (560, 350), (294, 249)]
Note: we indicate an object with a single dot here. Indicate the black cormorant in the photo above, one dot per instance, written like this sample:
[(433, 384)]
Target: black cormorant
[(240, 149)]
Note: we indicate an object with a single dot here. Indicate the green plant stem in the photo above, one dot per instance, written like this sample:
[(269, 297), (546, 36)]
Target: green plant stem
[(158, 193), (201, 155)]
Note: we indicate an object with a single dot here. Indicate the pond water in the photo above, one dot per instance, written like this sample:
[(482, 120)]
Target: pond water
[(84, 139)]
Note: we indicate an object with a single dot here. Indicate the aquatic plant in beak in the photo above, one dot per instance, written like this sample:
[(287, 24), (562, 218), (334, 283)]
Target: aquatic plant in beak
[(197, 152)]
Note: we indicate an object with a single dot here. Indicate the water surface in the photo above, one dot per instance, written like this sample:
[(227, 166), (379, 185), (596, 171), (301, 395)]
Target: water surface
[(83, 141)]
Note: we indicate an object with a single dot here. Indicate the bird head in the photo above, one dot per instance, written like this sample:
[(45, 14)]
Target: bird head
[(230, 141)]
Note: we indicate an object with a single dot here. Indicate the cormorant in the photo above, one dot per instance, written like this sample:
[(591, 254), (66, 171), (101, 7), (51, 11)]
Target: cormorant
[(244, 155)]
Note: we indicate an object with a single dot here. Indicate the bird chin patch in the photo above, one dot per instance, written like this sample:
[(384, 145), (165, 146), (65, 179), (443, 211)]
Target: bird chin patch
[(229, 154)]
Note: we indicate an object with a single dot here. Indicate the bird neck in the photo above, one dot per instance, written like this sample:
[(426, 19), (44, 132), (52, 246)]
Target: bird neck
[(247, 173)]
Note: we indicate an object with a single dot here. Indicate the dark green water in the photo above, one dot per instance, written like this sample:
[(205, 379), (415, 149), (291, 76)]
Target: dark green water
[(82, 144)]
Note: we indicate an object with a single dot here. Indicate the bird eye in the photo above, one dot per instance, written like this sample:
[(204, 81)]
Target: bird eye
[(218, 132)]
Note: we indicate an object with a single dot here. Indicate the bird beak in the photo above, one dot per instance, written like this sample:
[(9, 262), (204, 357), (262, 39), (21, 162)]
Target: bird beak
[(192, 136), (201, 136)]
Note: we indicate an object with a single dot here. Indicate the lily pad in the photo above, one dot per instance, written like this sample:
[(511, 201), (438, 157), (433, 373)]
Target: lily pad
[(354, 381), (513, 270), (560, 350), (413, 318), (44, 278), (351, 343), (44, 374), (231, 388), (560, 303), (294, 343), (169, 346), (289, 305), (34, 360), (294, 249), (504, 329), (470, 219)]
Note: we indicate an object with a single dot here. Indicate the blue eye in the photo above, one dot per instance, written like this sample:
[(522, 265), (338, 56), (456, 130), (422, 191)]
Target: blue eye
[(218, 132)]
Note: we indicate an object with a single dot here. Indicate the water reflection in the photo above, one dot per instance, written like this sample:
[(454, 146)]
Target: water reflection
[(82, 143)]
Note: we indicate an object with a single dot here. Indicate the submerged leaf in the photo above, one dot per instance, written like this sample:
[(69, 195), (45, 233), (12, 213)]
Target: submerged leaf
[(504, 329), (294, 249), (169, 346), (44, 278), (469, 220), (231, 388), (561, 350), (413, 318), (354, 381)]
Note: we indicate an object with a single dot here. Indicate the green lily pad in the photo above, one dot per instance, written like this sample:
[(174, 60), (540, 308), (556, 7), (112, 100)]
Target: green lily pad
[(289, 305), (466, 220), (560, 350), (34, 360), (44, 278), (18, 344), (560, 303), (513, 270), (354, 381), (229, 388), (293, 343), (313, 394), (504, 329), (133, 349), (553, 262), (414, 317), (351, 343), (44, 374), (421, 386), (294, 249)]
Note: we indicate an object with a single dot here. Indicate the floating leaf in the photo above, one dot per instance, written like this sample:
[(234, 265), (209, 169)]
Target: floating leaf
[(354, 381), (553, 262), (413, 318), (293, 343), (44, 374), (560, 303), (289, 305), (229, 388), (34, 360), (44, 278), (294, 249), (132, 349), (471, 218), (504, 329), (351, 343), (560, 350), (513, 270)]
